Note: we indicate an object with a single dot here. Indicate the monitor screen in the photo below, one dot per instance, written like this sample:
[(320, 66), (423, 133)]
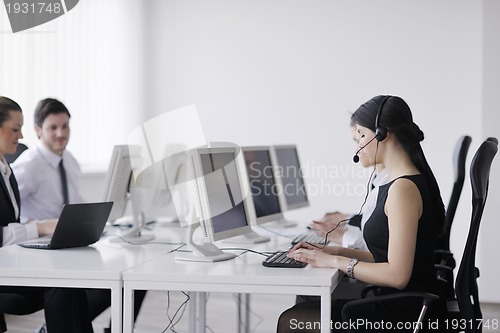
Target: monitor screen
[(263, 185), (225, 212), (117, 181), (291, 176)]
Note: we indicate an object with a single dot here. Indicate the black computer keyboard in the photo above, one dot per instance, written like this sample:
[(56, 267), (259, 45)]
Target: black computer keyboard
[(309, 237), (279, 259)]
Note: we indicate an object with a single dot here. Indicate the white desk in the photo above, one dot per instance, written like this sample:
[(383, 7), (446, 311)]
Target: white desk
[(244, 274), (97, 266)]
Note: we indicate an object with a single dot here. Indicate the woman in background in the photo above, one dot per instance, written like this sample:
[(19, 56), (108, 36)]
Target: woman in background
[(66, 309)]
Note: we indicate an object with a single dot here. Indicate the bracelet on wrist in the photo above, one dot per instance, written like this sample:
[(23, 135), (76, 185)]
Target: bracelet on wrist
[(350, 267)]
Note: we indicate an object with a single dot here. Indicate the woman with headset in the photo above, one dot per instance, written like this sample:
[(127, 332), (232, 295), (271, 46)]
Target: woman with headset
[(399, 233), (66, 309)]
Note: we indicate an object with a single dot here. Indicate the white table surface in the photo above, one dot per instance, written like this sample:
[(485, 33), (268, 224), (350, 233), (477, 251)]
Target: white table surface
[(244, 274), (97, 266)]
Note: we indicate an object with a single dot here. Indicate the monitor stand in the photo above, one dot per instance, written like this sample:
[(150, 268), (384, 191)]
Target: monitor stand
[(205, 252), (248, 238), (283, 223), (134, 233)]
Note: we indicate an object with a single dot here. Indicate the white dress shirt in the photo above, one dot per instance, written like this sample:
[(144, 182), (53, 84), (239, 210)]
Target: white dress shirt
[(15, 232), (353, 237), (40, 188)]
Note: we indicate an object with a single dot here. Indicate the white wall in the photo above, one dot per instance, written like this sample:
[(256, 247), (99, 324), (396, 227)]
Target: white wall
[(91, 60), (285, 71), (264, 72), (490, 228)]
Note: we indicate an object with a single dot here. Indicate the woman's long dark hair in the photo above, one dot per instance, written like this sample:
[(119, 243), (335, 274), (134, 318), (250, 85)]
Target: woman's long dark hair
[(396, 117)]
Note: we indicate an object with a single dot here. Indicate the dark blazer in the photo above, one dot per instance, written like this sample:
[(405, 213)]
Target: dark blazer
[(7, 209)]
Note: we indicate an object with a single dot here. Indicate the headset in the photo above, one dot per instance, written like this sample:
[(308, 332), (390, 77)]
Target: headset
[(380, 131)]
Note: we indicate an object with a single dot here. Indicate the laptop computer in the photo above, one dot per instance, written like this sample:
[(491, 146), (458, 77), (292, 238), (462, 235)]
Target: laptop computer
[(79, 225)]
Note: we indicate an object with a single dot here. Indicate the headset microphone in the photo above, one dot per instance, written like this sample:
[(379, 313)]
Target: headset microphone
[(355, 158)]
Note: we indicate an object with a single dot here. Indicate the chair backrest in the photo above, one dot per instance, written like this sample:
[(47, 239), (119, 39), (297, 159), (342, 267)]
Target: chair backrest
[(459, 158), (20, 148), (492, 139), (466, 283)]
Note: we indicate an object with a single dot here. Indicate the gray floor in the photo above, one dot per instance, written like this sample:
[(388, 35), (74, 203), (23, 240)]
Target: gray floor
[(222, 315)]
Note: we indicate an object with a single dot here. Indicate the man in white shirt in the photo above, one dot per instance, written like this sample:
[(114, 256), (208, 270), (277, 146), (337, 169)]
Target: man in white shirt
[(41, 186), (37, 169)]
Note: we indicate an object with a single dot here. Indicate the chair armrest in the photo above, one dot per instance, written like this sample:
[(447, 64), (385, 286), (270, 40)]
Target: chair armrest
[(427, 299), (444, 257), (443, 252), (442, 272), (369, 288)]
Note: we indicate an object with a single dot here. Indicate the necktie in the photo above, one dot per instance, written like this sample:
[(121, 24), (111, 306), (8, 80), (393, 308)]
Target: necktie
[(64, 182)]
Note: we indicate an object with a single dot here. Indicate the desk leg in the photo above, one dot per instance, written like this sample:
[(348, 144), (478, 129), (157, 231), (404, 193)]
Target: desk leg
[(116, 308), (192, 311), (128, 309), (202, 311), (247, 313), (326, 299), (243, 313), (239, 323)]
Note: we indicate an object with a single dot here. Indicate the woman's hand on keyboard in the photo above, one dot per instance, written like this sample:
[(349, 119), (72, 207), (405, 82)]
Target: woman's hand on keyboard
[(313, 256), (305, 245)]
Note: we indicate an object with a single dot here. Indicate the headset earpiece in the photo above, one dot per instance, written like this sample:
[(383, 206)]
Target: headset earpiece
[(380, 131)]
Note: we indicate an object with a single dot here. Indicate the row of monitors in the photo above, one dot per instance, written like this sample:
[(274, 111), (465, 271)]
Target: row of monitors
[(274, 177), (273, 174)]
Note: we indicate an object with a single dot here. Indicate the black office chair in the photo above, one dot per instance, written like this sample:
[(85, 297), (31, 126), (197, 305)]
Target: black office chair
[(466, 306), (445, 263), (492, 139), (12, 157)]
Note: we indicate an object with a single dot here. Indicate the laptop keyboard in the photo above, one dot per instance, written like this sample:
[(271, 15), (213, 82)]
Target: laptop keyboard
[(36, 245), (280, 259)]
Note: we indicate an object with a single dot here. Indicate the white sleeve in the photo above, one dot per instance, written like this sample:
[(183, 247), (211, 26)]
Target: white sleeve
[(14, 233), (353, 238), (24, 177)]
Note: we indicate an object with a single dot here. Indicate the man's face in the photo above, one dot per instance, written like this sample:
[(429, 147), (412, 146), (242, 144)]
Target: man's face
[(54, 132)]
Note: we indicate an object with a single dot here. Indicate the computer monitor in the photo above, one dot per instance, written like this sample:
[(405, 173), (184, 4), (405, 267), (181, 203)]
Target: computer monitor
[(264, 186), (222, 201), (291, 176), (119, 187)]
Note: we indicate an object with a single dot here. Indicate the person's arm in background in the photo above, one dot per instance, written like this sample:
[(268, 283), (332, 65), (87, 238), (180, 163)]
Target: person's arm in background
[(15, 233), (347, 233), (25, 176)]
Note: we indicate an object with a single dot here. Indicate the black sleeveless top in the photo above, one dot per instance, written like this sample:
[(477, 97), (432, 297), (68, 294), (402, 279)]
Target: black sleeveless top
[(423, 276)]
